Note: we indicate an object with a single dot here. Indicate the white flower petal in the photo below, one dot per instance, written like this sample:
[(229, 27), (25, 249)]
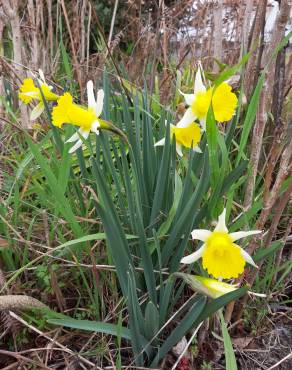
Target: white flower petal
[(73, 138), (76, 136), (90, 95), (243, 234), (99, 102), (247, 257), (189, 98), (199, 85), (95, 127), (187, 119), (84, 133), (160, 142), (77, 145), (201, 234), (203, 124), (179, 150), (221, 225), (42, 76), (37, 111), (197, 149), (194, 256)]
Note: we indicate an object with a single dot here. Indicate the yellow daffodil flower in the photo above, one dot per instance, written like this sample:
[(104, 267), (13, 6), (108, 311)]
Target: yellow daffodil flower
[(221, 257), (189, 137), (29, 92), (86, 118), (211, 287), (223, 101)]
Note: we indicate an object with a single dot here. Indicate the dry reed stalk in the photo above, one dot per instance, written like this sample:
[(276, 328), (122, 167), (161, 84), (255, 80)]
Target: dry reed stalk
[(253, 41), (218, 36), (11, 9), (74, 54), (278, 150)]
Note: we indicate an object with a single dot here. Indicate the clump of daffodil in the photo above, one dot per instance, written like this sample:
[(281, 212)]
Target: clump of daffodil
[(188, 137), (210, 287), (86, 118), (29, 92), (223, 101), (221, 257)]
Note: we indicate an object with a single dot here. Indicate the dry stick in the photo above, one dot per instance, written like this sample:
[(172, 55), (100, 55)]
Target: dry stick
[(88, 37), (218, 46), (109, 51), (23, 358), (282, 175), (246, 23), (187, 346), (279, 257), (254, 39), (152, 77), (265, 104), (18, 318), (256, 147), (78, 72), (112, 23), (276, 366), (13, 16)]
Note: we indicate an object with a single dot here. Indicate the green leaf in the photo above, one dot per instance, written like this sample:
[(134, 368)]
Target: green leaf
[(263, 253), (98, 326), (228, 349), (151, 320), (56, 189), (212, 140), (250, 116), (181, 329)]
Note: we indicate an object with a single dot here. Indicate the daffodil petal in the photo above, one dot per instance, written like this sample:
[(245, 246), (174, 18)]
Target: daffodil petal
[(243, 234), (84, 133), (160, 142), (95, 127), (99, 102), (194, 256), (201, 234), (199, 85), (77, 145), (221, 225), (90, 95), (197, 149), (247, 257), (73, 138), (203, 124), (179, 150), (42, 76), (37, 111), (189, 98), (187, 119)]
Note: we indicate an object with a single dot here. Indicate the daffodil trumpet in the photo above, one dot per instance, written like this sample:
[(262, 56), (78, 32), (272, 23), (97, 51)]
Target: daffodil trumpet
[(29, 92), (188, 137), (221, 257), (222, 99), (210, 287), (86, 118)]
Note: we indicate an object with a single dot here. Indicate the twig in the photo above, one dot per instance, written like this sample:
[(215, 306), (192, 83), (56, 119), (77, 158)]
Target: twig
[(187, 346), (18, 318), (279, 362)]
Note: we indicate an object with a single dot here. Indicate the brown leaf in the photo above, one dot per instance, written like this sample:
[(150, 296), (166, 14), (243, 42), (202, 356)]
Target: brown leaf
[(242, 342)]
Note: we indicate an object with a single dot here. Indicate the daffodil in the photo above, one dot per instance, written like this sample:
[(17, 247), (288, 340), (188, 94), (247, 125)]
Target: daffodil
[(86, 118), (221, 257), (29, 92), (211, 287), (223, 101), (189, 137)]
